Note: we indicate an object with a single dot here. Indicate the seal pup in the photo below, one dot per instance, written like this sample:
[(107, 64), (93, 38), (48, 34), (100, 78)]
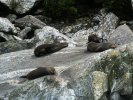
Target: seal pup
[(95, 38), (98, 47), (39, 72), (44, 49)]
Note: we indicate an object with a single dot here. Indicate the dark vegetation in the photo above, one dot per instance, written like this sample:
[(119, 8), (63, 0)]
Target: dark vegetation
[(4, 11), (69, 9), (116, 65), (122, 8)]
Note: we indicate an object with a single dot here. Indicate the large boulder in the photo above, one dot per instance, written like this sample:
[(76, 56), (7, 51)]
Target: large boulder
[(70, 83), (29, 21), (74, 80), (107, 24), (19, 6), (7, 26), (50, 35), (121, 35)]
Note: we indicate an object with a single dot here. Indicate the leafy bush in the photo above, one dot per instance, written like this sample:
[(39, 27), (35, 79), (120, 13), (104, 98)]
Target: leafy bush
[(60, 8), (116, 64)]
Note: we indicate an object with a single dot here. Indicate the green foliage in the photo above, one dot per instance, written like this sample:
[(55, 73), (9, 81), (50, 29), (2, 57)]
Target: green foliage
[(13, 4), (121, 8), (59, 8), (116, 66)]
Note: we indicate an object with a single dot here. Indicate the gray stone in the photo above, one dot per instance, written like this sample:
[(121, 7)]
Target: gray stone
[(81, 37), (39, 11), (24, 32), (19, 6), (44, 19), (129, 23), (8, 37), (123, 85), (115, 96), (29, 21), (7, 26), (107, 25), (66, 29), (11, 17), (121, 35), (49, 35)]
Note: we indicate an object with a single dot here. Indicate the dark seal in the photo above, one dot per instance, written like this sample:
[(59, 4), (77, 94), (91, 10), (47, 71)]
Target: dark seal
[(44, 49), (39, 72), (95, 38), (98, 47)]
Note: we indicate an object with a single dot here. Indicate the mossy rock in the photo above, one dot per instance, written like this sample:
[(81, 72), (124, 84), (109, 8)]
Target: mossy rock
[(11, 46)]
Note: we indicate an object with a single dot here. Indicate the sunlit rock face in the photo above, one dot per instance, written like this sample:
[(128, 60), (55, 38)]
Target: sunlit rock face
[(121, 35), (71, 66), (19, 6), (74, 79), (7, 26), (50, 35)]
